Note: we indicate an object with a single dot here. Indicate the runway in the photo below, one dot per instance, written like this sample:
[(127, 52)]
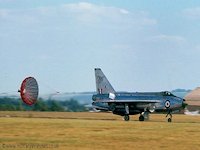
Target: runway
[(49, 130)]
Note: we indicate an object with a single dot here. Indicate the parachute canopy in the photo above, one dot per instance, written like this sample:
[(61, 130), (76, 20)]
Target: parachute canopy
[(29, 90)]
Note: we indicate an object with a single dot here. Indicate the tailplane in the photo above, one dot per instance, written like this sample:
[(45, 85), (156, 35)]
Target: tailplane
[(103, 86)]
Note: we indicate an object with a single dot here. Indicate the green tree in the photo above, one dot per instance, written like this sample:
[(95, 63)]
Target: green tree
[(40, 105), (73, 105), (55, 106), (20, 106)]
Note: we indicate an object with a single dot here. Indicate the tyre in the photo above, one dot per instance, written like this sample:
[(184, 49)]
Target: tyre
[(126, 117), (169, 120), (141, 118)]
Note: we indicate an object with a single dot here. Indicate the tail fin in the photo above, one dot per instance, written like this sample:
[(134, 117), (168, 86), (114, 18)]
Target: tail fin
[(103, 86)]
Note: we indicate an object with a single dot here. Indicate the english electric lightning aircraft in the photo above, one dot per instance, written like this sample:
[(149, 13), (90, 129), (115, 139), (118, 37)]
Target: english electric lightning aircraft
[(125, 104)]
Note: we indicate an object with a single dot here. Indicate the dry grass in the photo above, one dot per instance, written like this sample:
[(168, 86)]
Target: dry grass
[(38, 130)]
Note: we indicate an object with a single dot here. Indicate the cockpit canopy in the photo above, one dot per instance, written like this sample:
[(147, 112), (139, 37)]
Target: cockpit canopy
[(167, 93)]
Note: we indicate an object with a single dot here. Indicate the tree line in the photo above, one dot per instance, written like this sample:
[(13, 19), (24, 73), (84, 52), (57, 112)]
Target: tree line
[(14, 104)]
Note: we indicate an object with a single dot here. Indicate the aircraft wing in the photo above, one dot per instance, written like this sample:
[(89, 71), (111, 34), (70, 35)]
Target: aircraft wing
[(128, 101)]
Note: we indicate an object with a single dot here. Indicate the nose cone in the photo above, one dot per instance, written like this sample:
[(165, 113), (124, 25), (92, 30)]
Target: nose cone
[(184, 104)]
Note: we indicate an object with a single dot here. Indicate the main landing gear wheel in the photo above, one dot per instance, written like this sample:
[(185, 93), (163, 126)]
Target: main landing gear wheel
[(126, 117), (141, 118)]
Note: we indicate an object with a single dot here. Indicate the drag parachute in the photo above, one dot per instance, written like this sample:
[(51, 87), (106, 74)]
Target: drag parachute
[(29, 90)]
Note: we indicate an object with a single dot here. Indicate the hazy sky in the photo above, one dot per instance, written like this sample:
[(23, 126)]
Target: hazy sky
[(141, 45)]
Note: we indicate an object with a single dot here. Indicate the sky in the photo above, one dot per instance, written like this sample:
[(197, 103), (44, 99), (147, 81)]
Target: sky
[(140, 45)]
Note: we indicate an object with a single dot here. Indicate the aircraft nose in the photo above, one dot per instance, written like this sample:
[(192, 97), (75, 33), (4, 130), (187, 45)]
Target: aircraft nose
[(184, 104)]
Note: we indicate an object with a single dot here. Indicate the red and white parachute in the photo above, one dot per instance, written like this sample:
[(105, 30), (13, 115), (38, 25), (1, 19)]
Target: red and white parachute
[(29, 90)]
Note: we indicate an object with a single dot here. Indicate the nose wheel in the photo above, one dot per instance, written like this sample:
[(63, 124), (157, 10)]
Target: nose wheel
[(170, 116), (169, 119)]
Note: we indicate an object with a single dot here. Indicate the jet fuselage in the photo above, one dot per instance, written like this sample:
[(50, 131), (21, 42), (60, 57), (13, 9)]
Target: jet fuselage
[(137, 102)]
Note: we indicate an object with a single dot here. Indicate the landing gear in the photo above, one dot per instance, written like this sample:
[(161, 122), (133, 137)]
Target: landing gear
[(144, 116), (169, 120), (126, 109), (141, 118), (126, 117), (170, 116)]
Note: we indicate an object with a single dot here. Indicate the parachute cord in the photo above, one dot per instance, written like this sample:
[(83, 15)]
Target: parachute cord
[(7, 93), (53, 91)]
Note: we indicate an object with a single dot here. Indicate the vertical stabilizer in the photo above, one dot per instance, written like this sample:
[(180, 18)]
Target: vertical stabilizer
[(103, 86)]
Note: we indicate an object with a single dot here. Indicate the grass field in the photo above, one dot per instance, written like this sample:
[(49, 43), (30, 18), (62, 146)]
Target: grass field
[(68, 131)]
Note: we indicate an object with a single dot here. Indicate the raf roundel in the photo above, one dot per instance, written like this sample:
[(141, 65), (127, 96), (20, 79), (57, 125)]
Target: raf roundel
[(29, 90), (167, 104)]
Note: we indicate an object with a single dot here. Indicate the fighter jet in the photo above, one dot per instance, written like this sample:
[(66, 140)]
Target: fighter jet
[(125, 103)]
